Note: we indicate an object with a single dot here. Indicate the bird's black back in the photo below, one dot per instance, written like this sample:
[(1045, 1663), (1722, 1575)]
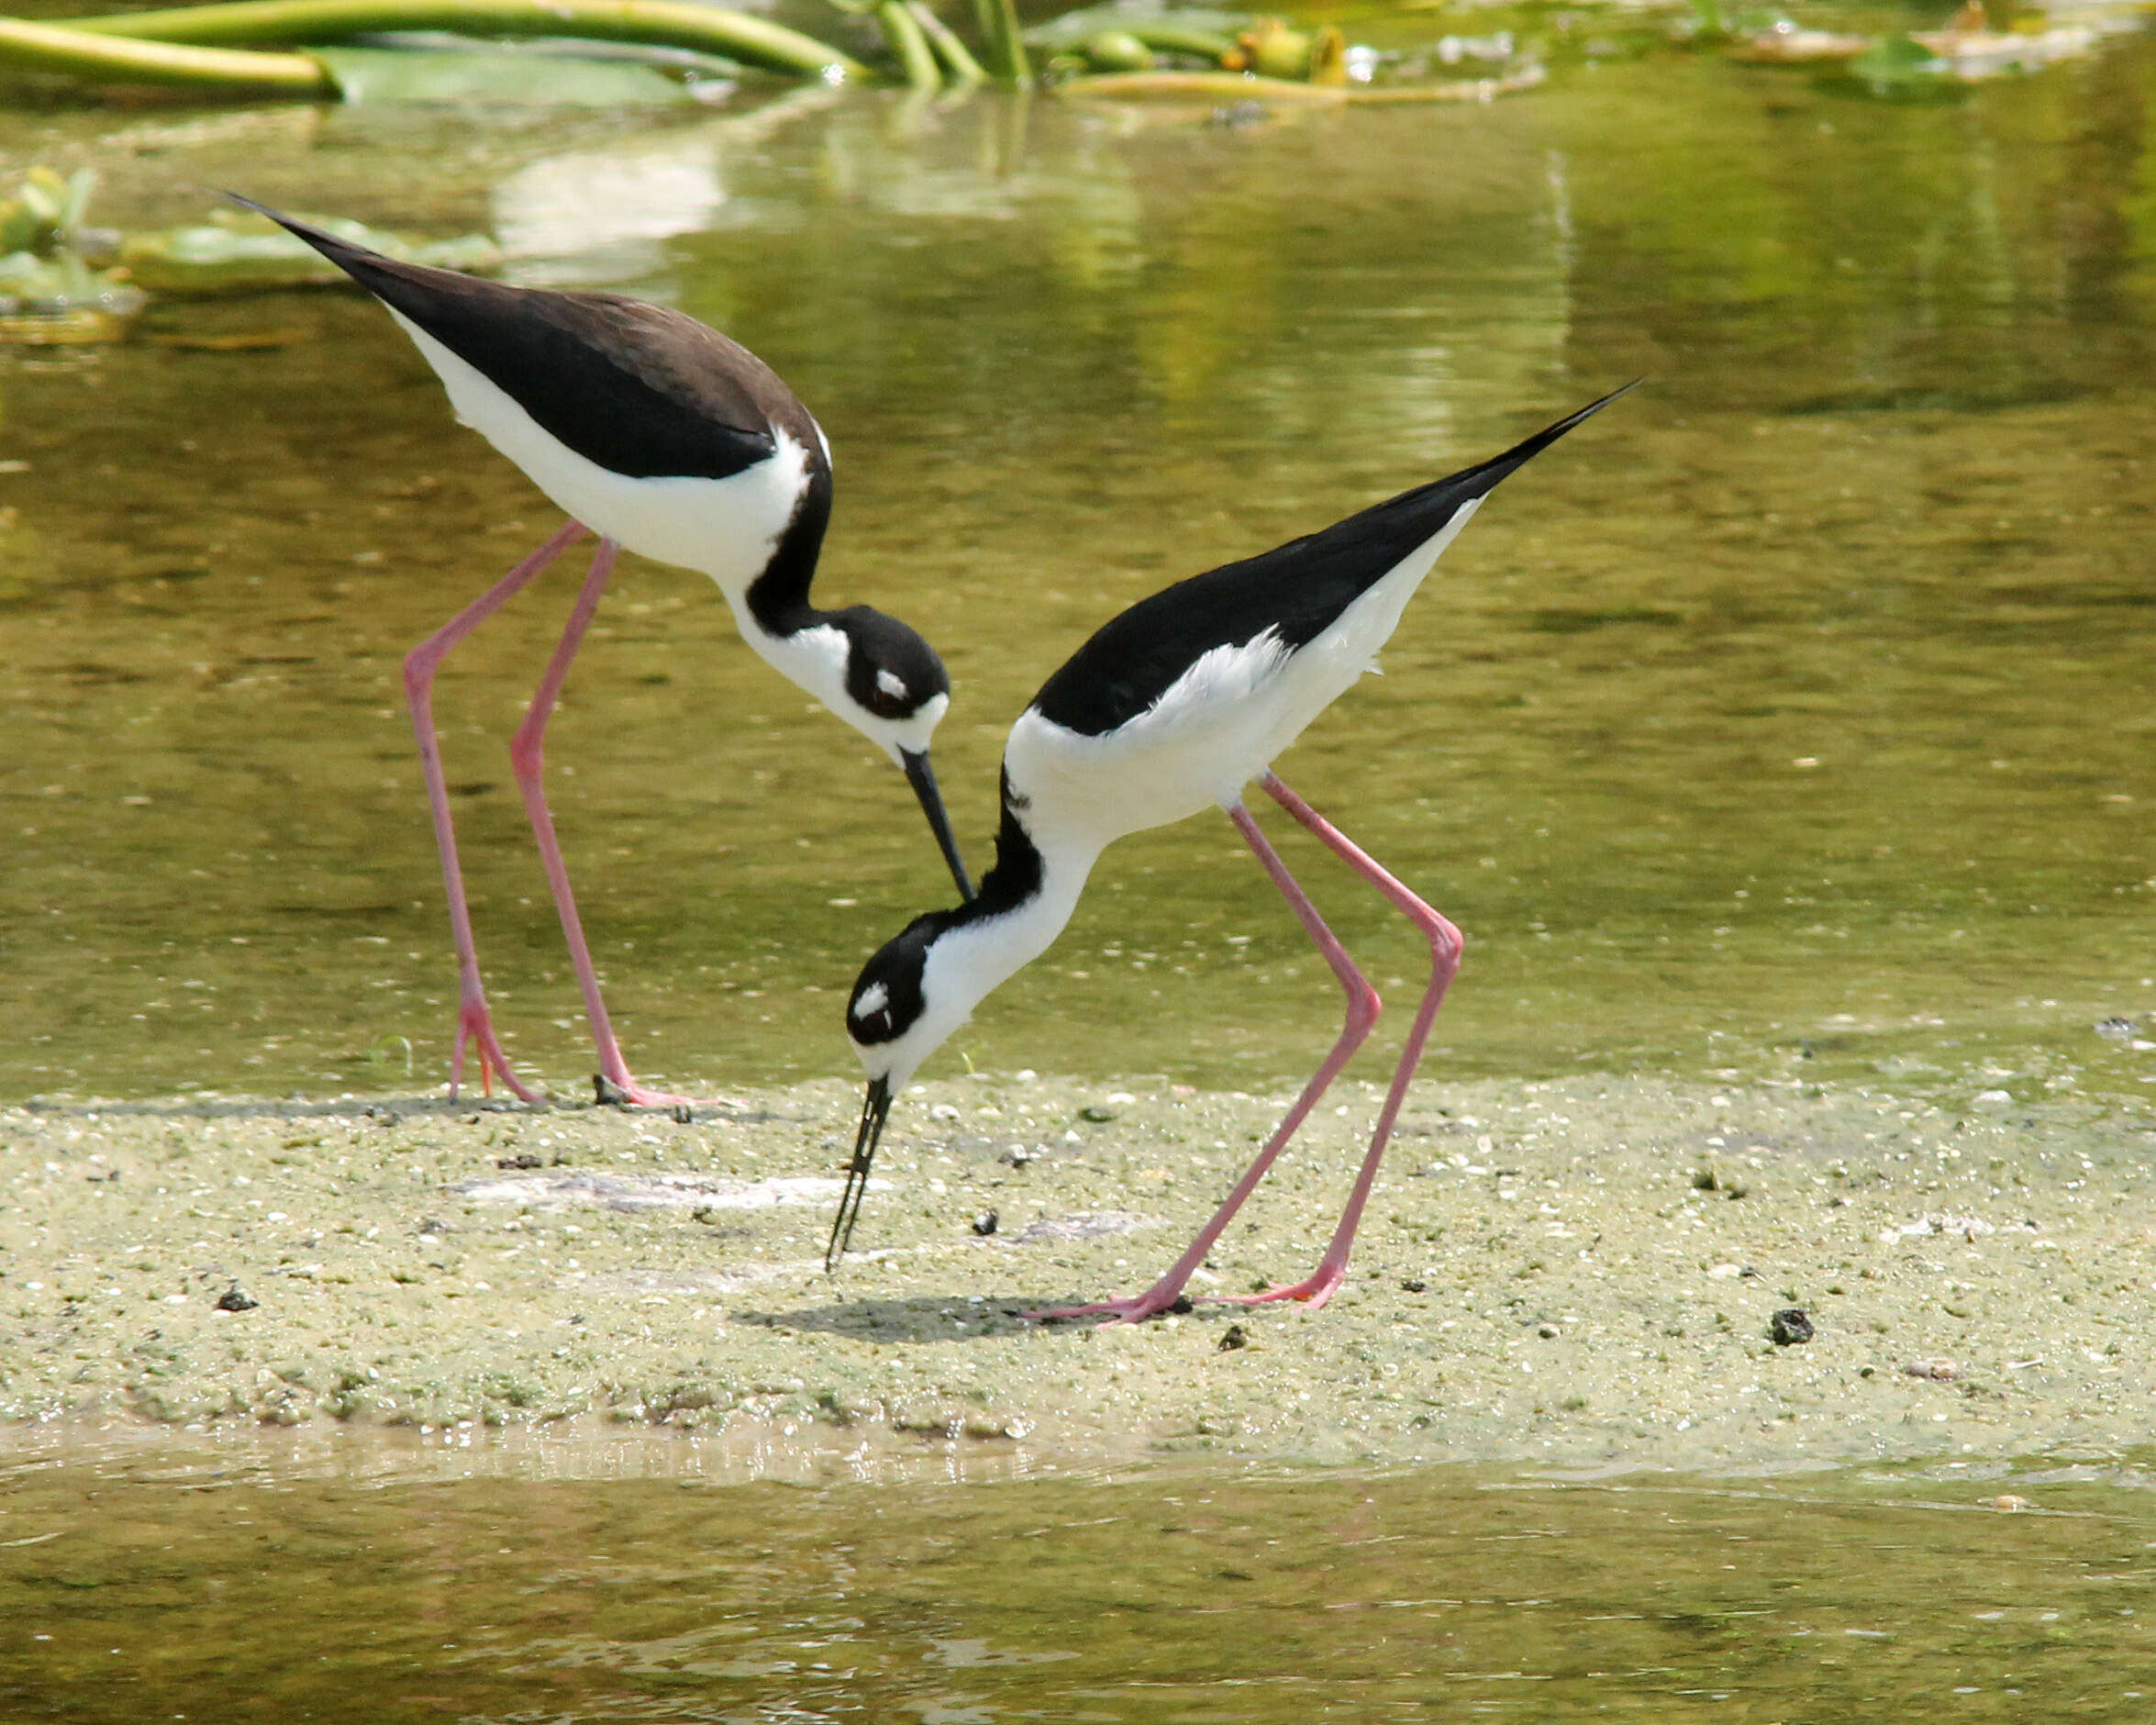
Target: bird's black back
[(641, 390), (1297, 591)]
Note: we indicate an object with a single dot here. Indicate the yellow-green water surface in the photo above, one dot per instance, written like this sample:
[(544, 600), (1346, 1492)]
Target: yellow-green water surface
[(1799, 706), (448, 1587)]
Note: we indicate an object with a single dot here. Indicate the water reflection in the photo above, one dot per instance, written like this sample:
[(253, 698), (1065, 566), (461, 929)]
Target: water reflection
[(151, 1590), (1805, 712)]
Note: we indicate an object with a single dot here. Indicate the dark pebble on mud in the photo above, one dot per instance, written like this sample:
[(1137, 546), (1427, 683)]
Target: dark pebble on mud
[(1788, 1327), (1233, 1338), (985, 1223), (1415, 1284), (523, 1160), (233, 1300)]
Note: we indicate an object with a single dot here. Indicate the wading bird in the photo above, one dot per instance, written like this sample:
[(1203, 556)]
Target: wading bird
[(1172, 707), (657, 433)]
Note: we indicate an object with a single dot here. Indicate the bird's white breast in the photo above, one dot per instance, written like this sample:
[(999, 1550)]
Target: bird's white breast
[(723, 527)]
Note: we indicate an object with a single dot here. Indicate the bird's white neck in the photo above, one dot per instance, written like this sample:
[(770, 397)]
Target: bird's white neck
[(1023, 904), (984, 952)]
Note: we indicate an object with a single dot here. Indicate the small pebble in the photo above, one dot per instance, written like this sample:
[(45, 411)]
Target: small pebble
[(233, 1300), (1096, 1114), (1415, 1284), (985, 1223), (1936, 1366), (2008, 1501), (1789, 1327), (1233, 1338), (523, 1159), (2116, 1030)]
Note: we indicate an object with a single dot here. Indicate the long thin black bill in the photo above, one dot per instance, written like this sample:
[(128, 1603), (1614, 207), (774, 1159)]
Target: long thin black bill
[(875, 1110), (922, 777)]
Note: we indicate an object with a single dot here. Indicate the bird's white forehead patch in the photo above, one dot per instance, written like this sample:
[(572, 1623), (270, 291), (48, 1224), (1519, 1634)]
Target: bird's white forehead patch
[(892, 685), (870, 1001)]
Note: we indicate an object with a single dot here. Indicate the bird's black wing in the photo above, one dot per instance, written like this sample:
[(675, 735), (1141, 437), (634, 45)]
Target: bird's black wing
[(1297, 591), (642, 390)]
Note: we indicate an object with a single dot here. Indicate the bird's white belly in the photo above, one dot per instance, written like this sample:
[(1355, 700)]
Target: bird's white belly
[(723, 527)]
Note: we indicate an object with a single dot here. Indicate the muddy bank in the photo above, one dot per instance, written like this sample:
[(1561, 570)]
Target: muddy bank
[(1584, 1271)]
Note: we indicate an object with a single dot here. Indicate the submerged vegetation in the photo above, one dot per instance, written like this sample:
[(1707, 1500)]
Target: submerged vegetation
[(442, 50)]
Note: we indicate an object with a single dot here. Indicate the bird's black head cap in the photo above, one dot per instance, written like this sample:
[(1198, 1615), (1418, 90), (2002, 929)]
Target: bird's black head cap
[(890, 670), (889, 995)]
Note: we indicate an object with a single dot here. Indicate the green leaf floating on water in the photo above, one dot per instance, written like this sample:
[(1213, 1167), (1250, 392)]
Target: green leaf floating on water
[(383, 75), (230, 253), (1902, 69)]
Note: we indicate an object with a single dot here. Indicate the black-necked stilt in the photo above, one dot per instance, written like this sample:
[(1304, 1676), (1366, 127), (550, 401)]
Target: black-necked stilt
[(656, 432), (1174, 707)]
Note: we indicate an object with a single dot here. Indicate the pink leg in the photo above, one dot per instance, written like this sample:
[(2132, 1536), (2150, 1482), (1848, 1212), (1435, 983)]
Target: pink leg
[(1362, 1009), (527, 755), (1446, 944), (474, 1024)]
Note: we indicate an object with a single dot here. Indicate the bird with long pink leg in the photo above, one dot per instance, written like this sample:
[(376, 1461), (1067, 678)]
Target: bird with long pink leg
[(1174, 707), (655, 432)]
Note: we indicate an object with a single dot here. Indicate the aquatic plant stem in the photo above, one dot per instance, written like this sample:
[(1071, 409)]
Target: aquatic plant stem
[(902, 32), (77, 53), (998, 22), (660, 23), (957, 58), (1242, 86)]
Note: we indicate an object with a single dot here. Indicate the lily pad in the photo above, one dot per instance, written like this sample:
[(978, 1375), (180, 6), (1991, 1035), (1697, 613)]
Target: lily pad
[(46, 211), (1900, 69), (60, 301)]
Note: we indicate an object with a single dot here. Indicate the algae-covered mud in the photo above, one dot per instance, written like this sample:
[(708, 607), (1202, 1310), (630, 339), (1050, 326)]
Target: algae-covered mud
[(1592, 1272)]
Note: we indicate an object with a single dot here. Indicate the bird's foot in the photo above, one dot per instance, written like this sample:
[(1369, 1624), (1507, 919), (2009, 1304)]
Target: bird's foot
[(1314, 1291), (1154, 1302), (626, 1092), (475, 1029)]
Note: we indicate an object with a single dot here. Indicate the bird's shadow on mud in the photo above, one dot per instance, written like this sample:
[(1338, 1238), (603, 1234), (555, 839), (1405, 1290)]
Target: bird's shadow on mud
[(936, 1317)]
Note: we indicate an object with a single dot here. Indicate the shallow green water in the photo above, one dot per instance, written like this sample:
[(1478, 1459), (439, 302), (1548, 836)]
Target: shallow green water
[(218, 1589), (1798, 706)]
